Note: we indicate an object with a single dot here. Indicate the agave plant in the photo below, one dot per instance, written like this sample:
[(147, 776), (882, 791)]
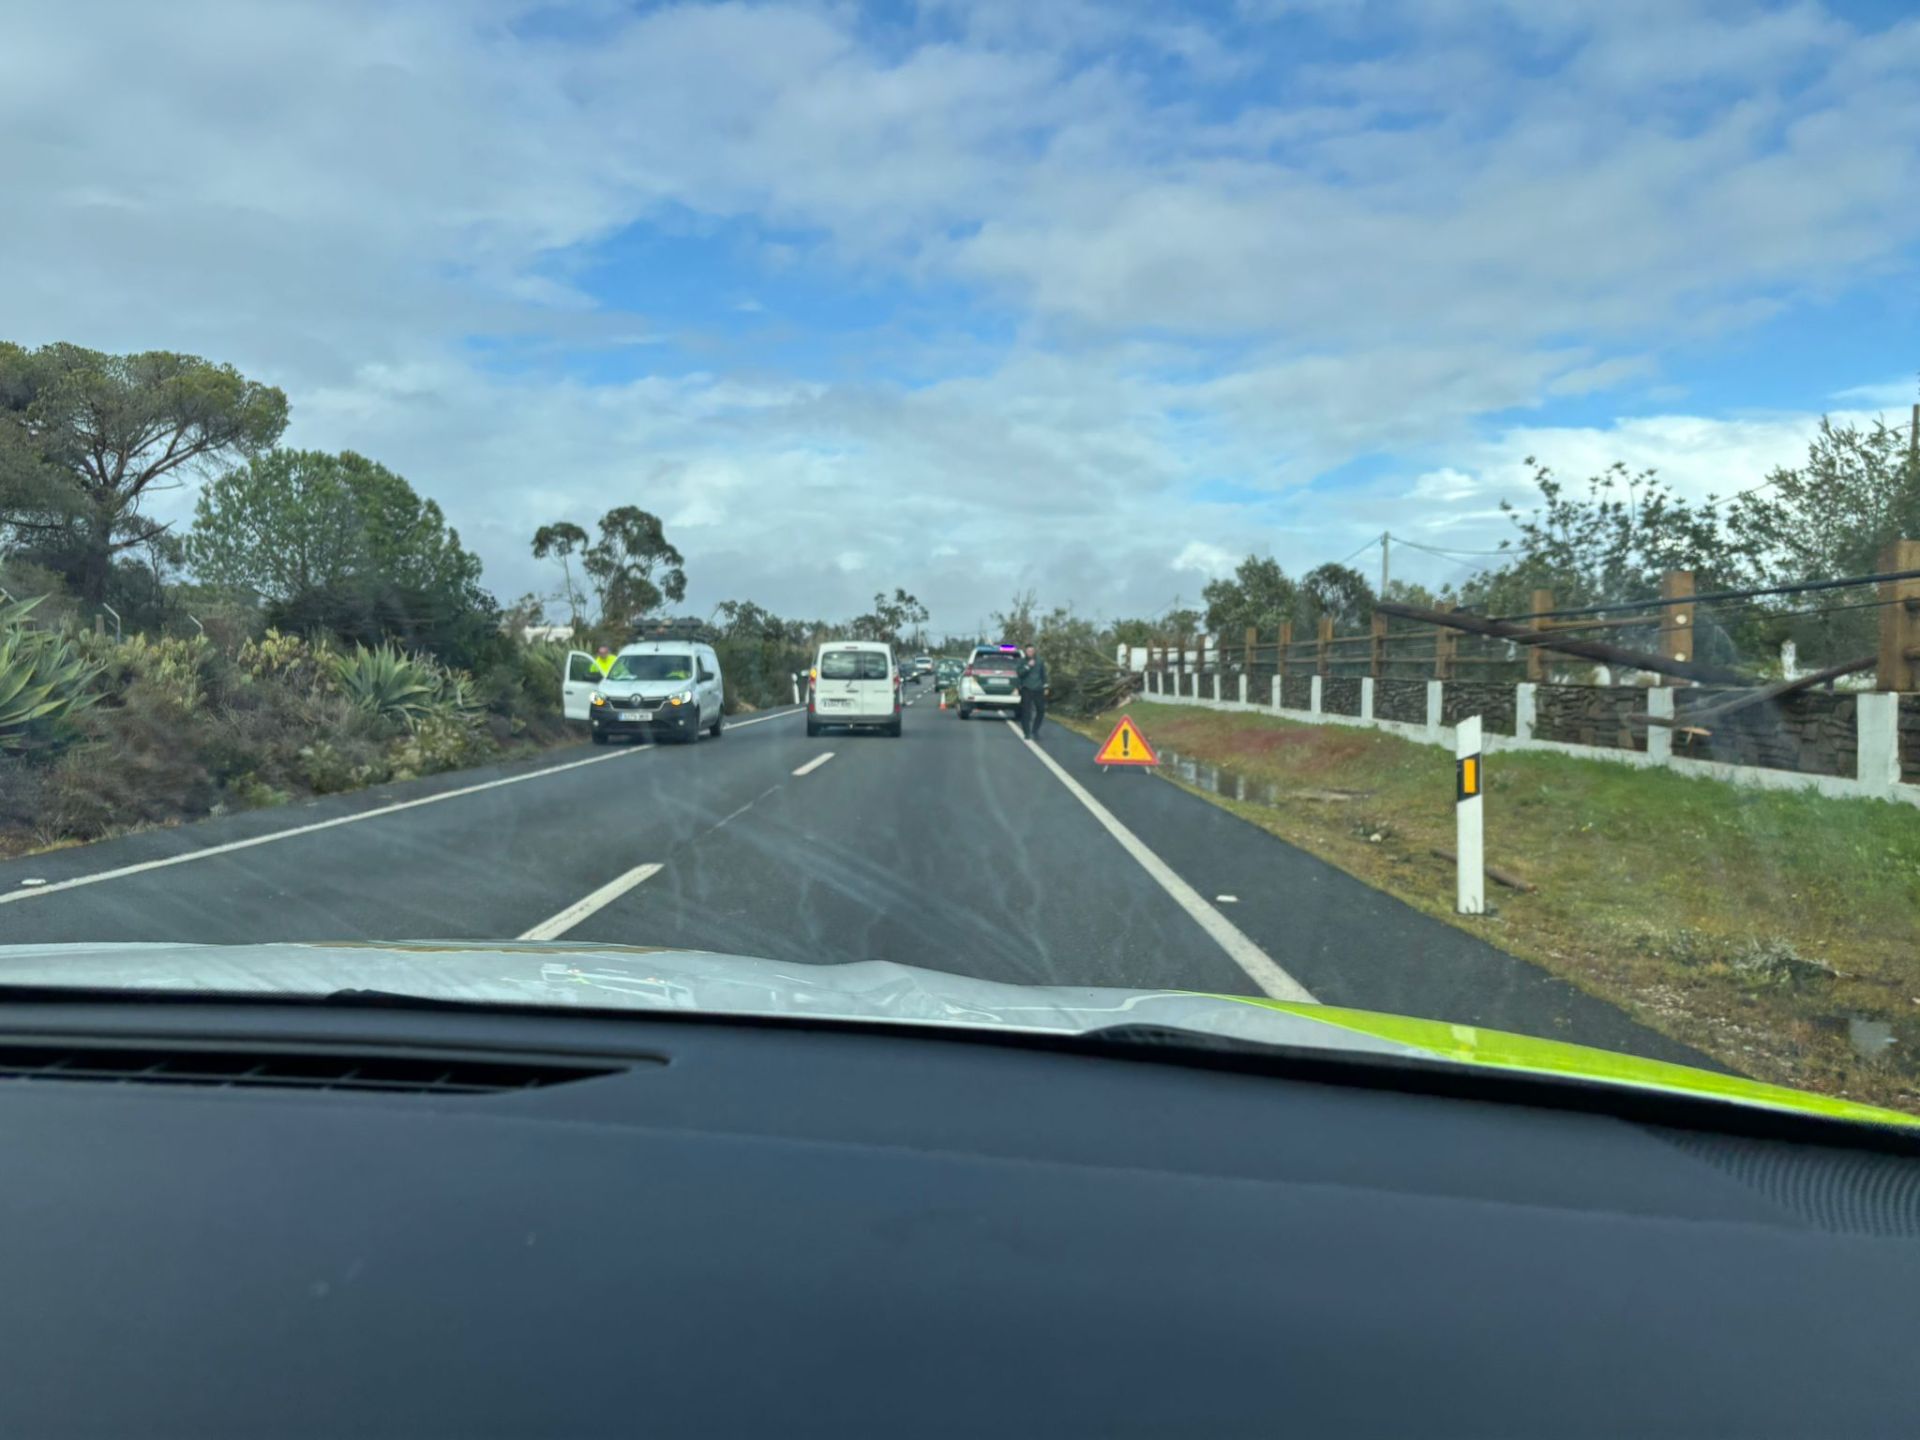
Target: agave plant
[(390, 683), (44, 682), (457, 698)]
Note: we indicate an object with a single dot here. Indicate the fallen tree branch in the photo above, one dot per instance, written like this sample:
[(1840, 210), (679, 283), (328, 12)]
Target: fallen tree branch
[(1596, 650)]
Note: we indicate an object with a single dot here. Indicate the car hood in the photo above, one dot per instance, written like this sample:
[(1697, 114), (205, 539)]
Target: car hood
[(563, 975)]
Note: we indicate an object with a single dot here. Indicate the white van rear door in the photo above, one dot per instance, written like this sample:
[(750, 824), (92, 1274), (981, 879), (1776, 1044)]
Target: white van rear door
[(577, 686), (854, 684)]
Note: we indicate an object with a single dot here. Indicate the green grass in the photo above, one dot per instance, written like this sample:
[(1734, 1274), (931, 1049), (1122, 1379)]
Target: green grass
[(1749, 923)]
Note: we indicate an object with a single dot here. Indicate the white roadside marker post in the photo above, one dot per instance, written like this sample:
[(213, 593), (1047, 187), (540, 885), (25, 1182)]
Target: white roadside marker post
[(1470, 888)]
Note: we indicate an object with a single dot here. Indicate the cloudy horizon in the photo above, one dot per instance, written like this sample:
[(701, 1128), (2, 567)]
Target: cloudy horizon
[(1088, 299)]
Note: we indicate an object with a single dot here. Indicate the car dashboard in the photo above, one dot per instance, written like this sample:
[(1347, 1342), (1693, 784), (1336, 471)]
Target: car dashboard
[(228, 1218)]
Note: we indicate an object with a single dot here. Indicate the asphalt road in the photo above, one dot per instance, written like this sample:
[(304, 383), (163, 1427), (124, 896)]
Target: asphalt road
[(956, 847)]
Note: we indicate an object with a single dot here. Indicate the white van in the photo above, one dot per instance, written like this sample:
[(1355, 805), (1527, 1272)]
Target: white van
[(854, 683), (657, 689)]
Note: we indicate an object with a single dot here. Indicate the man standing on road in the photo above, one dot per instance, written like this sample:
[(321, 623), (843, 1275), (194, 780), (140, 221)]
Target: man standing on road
[(1031, 677)]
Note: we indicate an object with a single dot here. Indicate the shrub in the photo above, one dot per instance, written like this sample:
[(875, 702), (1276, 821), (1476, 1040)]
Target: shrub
[(290, 660), (45, 683), (133, 769), (386, 682), (439, 742), (328, 767)]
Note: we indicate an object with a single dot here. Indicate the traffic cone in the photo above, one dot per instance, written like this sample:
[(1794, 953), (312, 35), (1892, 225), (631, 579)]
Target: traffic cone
[(943, 699)]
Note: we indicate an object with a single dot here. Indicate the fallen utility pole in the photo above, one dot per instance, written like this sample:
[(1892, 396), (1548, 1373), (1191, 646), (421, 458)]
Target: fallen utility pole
[(1595, 650), (1737, 703)]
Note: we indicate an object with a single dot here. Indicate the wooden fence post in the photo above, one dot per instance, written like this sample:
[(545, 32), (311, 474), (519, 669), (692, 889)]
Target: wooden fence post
[(1326, 644), (1253, 639), (1446, 642), (1899, 619), (1286, 644), (1676, 621), (1377, 655), (1537, 655)]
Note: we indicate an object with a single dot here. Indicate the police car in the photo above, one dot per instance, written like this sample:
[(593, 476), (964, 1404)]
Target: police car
[(987, 682)]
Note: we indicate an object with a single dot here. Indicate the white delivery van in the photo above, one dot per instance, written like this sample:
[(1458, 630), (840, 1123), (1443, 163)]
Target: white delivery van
[(656, 689), (854, 683)]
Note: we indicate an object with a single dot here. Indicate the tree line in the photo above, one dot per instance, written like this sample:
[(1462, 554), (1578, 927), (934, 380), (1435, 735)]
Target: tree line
[(302, 540), (1609, 540)]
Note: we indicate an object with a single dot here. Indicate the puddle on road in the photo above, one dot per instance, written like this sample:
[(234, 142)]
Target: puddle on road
[(1232, 784)]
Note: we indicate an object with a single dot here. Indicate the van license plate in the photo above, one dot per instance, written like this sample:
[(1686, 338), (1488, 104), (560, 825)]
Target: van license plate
[(639, 715)]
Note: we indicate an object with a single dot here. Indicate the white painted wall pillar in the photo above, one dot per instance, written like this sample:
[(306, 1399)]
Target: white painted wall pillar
[(1276, 692), (1436, 705), (1216, 687), (1366, 697), (1313, 702), (1243, 687), (1524, 714), (1876, 719), (1660, 737)]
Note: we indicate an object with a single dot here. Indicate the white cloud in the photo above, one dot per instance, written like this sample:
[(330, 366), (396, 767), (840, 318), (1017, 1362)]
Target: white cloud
[(1208, 560), (1351, 260)]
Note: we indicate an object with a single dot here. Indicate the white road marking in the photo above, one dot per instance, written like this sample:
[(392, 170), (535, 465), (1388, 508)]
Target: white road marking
[(1259, 965), (1226, 899), (122, 871), (558, 925), (814, 764)]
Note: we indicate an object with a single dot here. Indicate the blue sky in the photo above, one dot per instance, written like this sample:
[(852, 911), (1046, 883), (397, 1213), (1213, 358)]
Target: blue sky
[(1089, 298)]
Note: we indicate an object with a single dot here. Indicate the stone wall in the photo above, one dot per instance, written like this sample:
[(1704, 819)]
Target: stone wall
[(1590, 715), (1494, 704), (1402, 700), (1910, 739), (1296, 692), (1812, 731), (1340, 695)]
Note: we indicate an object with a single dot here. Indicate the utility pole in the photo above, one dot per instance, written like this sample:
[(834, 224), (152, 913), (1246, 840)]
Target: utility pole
[(1385, 541)]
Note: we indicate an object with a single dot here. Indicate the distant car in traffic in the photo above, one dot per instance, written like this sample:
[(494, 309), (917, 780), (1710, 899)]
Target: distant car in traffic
[(987, 682), (923, 665), (946, 674)]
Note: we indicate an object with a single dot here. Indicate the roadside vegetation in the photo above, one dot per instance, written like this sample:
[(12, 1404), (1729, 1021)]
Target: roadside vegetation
[(318, 627), (1776, 931), (157, 730)]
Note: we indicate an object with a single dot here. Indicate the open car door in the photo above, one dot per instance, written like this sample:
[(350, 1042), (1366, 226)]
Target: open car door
[(577, 686)]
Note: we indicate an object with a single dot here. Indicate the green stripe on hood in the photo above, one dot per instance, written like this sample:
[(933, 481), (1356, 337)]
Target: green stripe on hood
[(1473, 1045)]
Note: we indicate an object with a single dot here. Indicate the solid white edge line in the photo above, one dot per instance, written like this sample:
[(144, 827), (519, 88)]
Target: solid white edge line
[(1259, 965), (122, 871), (814, 764), (556, 926)]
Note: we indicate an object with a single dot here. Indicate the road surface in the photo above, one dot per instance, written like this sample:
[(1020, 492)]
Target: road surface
[(957, 846)]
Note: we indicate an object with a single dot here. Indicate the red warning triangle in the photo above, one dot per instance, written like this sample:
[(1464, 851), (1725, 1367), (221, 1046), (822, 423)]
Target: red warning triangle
[(1126, 746)]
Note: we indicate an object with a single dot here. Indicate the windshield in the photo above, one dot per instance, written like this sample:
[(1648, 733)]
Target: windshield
[(651, 667), (854, 665), (1458, 467)]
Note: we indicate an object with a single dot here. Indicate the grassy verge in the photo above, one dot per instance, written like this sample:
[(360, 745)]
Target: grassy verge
[(1776, 931)]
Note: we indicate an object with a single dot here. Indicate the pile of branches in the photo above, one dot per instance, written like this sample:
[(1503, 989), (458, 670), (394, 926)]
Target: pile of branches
[(1085, 682)]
